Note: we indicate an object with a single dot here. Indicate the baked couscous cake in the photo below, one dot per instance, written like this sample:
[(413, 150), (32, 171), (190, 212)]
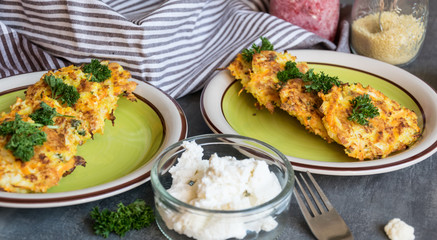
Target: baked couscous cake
[(303, 105), (259, 78), (43, 165), (264, 83), (240, 69), (40, 135), (298, 100), (97, 100), (389, 128), (363, 120)]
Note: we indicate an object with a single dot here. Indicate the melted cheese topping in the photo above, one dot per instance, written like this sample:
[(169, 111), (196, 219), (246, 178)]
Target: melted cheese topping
[(56, 157)]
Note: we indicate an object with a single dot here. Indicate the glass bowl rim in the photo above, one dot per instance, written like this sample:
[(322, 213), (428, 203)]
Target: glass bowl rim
[(272, 203)]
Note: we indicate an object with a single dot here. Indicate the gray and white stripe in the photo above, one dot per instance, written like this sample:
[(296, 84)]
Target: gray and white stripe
[(175, 45)]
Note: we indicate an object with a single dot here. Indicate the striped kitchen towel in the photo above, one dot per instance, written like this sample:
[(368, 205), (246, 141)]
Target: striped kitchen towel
[(176, 45)]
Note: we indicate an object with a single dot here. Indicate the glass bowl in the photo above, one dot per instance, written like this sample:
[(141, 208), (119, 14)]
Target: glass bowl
[(180, 220)]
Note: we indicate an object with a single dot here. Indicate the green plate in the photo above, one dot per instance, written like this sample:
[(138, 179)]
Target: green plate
[(228, 111), (133, 140), (285, 132), (118, 160)]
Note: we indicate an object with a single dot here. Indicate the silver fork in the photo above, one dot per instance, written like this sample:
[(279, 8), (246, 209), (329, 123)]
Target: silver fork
[(323, 220)]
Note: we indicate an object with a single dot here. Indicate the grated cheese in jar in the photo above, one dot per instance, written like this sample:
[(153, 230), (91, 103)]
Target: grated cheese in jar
[(397, 44)]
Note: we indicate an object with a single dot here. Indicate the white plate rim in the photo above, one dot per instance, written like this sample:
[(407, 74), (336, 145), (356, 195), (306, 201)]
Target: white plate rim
[(175, 129), (424, 95)]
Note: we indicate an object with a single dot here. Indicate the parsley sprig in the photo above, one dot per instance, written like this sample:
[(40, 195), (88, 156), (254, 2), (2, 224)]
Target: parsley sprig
[(265, 46), (319, 82), (99, 72), (45, 115), (362, 109), (23, 136), (75, 123), (136, 215), (290, 72), (61, 91), (314, 82)]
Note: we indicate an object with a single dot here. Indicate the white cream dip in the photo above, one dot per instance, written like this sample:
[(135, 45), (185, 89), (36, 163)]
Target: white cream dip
[(220, 183)]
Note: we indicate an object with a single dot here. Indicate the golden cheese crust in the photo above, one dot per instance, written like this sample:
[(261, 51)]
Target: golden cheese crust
[(57, 158), (393, 130), (327, 115), (51, 160), (264, 83), (259, 78), (98, 100), (303, 105), (240, 69)]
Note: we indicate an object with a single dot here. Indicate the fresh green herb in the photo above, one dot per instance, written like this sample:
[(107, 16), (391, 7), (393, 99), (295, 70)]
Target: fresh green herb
[(314, 82), (81, 132), (65, 93), (75, 123), (45, 115), (99, 72), (136, 215), (290, 72), (23, 136), (362, 109), (319, 82), (265, 46)]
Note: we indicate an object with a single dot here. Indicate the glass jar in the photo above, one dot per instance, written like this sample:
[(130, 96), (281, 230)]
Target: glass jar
[(318, 16), (389, 30)]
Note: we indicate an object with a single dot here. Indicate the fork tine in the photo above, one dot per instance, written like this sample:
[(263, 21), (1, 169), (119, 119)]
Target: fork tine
[(314, 196), (323, 206), (324, 223), (320, 192), (301, 203)]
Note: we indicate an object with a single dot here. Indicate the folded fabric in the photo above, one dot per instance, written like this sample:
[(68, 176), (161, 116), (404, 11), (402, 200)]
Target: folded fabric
[(174, 45)]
